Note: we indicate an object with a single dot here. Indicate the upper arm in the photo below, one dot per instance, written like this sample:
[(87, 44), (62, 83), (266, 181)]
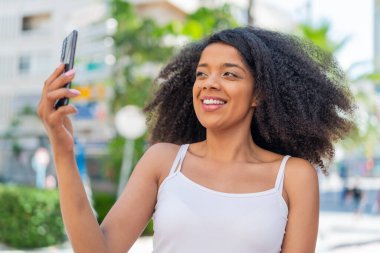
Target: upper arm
[(301, 186), (132, 211)]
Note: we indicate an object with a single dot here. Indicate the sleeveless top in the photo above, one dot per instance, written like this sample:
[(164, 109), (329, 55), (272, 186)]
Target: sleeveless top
[(191, 218)]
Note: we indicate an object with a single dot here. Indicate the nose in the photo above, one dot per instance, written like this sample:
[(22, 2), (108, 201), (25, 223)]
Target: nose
[(212, 82)]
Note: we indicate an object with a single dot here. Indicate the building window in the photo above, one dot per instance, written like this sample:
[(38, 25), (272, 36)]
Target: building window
[(24, 65), (34, 23), (36, 63), (26, 104)]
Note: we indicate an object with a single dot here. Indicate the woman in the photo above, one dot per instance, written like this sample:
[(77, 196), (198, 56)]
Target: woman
[(238, 120)]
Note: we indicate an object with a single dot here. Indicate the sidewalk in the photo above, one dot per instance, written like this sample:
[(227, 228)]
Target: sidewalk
[(64, 248), (338, 233), (348, 233)]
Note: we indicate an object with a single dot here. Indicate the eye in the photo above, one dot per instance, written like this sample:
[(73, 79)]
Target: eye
[(230, 74), (200, 74)]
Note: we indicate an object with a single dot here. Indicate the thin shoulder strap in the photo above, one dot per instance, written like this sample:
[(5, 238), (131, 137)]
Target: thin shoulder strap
[(280, 174), (177, 164)]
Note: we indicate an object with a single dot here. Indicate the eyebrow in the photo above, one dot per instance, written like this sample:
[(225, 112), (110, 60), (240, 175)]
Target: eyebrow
[(227, 64)]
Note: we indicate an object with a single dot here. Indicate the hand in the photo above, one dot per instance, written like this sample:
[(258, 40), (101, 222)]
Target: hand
[(57, 122)]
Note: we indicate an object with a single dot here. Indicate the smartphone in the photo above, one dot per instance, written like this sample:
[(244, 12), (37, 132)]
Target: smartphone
[(67, 57)]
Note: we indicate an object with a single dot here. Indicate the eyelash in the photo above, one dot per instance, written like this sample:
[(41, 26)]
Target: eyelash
[(228, 74), (198, 73)]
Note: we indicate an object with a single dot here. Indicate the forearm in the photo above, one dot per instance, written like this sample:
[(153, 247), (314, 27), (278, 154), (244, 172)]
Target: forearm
[(81, 225)]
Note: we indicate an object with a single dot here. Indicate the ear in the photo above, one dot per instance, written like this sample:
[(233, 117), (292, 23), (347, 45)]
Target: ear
[(255, 101)]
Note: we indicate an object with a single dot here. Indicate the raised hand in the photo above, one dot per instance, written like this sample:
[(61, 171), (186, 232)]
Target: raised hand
[(57, 122)]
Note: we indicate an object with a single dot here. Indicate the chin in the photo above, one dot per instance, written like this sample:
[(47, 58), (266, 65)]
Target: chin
[(212, 125)]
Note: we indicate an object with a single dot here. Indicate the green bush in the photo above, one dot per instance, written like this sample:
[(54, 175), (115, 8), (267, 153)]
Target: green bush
[(149, 228), (103, 203), (29, 217)]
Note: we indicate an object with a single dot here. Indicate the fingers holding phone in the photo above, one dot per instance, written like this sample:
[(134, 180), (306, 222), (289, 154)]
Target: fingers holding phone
[(55, 89), (56, 121), (54, 109)]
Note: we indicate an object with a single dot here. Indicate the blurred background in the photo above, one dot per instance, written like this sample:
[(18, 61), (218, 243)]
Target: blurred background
[(121, 47)]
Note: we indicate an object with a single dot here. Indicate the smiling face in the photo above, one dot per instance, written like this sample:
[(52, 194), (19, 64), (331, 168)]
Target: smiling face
[(223, 89)]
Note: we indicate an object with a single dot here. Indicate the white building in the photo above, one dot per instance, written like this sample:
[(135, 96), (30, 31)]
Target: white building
[(31, 35)]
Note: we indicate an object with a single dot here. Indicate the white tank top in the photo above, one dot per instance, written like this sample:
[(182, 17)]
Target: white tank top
[(191, 218)]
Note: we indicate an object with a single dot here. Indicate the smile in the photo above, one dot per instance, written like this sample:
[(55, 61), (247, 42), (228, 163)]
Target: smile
[(213, 102), (210, 104)]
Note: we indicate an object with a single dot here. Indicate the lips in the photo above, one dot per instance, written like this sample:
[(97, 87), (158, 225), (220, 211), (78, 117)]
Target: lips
[(212, 103)]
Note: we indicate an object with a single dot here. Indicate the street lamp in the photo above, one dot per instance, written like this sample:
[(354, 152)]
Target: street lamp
[(130, 123), (40, 162)]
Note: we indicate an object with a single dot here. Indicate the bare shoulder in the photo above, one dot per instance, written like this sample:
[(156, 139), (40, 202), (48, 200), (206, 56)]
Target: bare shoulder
[(298, 167), (162, 150), (300, 176), (160, 157)]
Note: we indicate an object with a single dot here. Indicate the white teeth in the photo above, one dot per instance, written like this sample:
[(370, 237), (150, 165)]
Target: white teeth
[(213, 102)]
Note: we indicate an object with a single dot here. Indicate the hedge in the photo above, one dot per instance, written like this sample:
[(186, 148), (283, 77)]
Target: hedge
[(103, 203), (29, 217)]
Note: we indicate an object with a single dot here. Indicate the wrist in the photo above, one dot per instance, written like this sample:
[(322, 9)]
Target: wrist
[(61, 146), (63, 155)]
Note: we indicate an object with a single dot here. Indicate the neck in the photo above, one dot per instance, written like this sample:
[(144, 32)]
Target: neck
[(229, 145)]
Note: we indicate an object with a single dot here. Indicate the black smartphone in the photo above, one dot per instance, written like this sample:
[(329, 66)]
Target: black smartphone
[(67, 57)]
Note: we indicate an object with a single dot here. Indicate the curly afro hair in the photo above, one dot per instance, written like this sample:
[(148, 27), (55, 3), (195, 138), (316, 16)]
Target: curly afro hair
[(304, 103)]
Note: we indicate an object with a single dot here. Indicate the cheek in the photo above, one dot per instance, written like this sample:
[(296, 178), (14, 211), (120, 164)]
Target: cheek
[(242, 99), (195, 96), (195, 90), (247, 92), (243, 92)]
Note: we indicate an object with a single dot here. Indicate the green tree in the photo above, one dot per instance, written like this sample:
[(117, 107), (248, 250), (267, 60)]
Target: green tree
[(319, 35), (203, 22)]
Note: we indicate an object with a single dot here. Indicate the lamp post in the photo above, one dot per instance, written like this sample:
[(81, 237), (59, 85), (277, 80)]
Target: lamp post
[(250, 16), (130, 123), (40, 162)]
